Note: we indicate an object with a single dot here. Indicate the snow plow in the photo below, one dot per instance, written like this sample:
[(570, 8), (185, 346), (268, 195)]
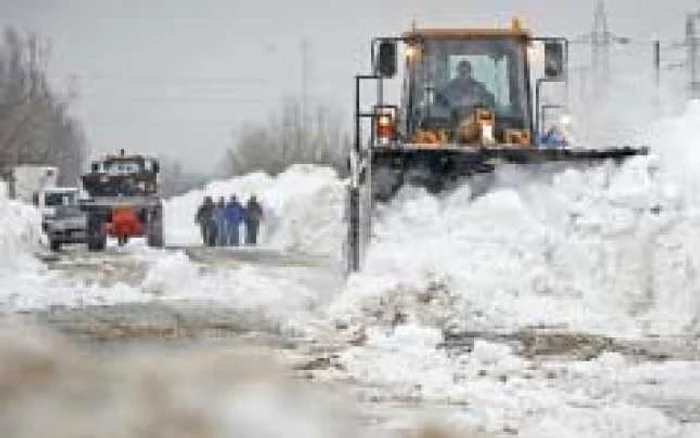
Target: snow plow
[(124, 201), (469, 102)]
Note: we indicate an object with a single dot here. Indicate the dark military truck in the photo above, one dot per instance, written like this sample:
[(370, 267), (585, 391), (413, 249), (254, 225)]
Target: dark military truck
[(125, 200)]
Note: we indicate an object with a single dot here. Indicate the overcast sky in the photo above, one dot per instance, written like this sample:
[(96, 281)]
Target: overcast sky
[(178, 77)]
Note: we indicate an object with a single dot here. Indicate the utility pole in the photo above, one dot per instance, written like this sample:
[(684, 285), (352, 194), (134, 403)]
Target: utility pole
[(657, 75), (601, 40), (600, 46), (304, 81)]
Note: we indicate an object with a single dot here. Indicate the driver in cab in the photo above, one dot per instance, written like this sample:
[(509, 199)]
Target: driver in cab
[(465, 92)]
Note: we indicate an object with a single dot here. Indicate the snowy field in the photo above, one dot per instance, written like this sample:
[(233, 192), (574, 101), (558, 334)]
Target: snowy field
[(514, 314)]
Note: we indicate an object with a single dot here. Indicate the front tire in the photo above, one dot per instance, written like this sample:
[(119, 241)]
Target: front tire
[(96, 237), (154, 236), (97, 243)]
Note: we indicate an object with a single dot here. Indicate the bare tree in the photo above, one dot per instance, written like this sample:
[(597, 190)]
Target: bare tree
[(35, 125), (290, 138)]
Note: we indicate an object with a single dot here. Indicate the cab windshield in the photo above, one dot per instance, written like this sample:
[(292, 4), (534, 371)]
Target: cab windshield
[(56, 199), (121, 167), (452, 77)]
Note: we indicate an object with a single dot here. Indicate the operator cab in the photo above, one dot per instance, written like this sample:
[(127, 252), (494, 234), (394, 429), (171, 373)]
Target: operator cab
[(452, 77)]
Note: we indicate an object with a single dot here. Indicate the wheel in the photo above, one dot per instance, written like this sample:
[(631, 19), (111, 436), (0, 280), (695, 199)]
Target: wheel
[(55, 245), (154, 236), (96, 237), (97, 243)]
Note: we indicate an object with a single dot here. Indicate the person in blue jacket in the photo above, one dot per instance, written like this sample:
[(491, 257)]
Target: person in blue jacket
[(234, 216), (553, 138)]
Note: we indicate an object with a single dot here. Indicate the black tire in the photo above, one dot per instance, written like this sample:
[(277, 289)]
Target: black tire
[(154, 236), (55, 245), (97, 244), (96, 239)]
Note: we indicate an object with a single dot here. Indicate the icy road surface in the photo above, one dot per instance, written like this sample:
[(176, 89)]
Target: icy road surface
[(527, 383)]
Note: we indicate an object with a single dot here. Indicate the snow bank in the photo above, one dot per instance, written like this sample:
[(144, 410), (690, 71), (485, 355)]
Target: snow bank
[(267, 296), (602, 249), (303, 209), (501, 393), (20, 231)]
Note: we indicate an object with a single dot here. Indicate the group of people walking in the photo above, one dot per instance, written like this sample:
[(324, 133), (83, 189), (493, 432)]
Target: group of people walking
[(220, 222)]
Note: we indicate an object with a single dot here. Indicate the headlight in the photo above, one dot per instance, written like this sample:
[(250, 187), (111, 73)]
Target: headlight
[(385, 124)]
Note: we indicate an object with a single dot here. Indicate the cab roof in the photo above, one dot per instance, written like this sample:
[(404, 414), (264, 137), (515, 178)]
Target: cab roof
[(111, 157), (460, 34), (61, 189), (516, 30)]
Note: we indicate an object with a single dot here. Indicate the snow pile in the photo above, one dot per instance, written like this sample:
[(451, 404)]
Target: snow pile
[(20, 231), (303, 209), (264, 296), (25, 283), (603, 249), (501, 393)]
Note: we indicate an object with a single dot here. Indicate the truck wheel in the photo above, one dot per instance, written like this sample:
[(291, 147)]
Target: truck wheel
[(97, 244), (154, 236), (55, 245), (96, 238)]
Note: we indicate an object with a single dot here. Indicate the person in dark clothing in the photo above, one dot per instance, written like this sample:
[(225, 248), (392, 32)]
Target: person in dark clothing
[(253, 216), (235, 213), (465, 91), (220, 222), (205, 219)]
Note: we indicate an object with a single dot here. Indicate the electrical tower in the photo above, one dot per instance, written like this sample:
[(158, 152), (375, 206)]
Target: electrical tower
[(601, 40), (600, 46), (692, 38)]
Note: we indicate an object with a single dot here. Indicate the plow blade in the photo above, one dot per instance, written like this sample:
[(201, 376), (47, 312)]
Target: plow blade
[(436, 168)]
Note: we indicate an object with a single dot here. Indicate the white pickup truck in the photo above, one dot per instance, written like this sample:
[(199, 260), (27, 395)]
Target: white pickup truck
[(62, 219)]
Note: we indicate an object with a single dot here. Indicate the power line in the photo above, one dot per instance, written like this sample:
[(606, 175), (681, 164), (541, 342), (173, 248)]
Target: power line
[(184, 99), (304, 80), (160, 79)]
